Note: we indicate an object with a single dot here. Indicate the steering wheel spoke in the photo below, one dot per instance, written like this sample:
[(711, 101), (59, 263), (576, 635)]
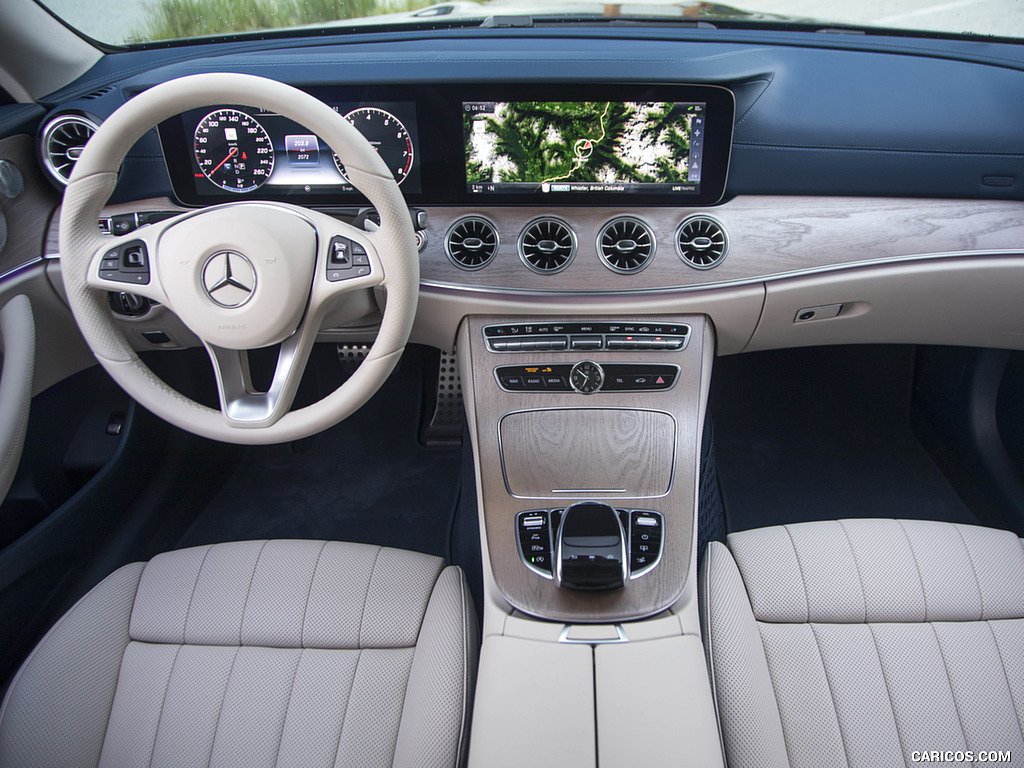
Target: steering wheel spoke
[(242, 404)]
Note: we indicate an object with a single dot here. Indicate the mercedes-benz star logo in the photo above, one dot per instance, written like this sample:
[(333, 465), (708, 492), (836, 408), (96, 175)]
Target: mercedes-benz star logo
[(229, 279)]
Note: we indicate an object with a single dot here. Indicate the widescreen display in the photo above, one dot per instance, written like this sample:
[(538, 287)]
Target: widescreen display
[(584, 147)]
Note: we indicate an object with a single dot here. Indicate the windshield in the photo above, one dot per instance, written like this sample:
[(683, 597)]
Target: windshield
[(121, 22)]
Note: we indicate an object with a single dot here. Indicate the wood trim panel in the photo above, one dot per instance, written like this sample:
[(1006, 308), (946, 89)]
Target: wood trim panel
[(487, 403), (27, 215), (769, 236), (543, 456)]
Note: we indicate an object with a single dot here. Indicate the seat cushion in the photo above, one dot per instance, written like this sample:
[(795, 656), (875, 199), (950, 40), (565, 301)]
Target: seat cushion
[(304, 653), (865, 642)]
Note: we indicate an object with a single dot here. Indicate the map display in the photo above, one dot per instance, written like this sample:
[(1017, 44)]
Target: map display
[(583, 146)]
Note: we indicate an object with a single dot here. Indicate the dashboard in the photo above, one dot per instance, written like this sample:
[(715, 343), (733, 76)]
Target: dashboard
[(827, 174)]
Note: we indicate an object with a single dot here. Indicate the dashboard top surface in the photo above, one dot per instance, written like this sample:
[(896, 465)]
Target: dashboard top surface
[(815, 115)]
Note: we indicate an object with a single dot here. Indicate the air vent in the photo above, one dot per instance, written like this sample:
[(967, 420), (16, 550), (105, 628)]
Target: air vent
[(701, 242), (547, 245), (99, 93), (63, 140), (626, 245), (471, 243)]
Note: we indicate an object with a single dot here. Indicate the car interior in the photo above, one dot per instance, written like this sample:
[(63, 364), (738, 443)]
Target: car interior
[(501, 384)]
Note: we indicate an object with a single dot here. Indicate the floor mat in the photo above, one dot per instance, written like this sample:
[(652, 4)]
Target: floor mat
[(821, 434), (366, 480)]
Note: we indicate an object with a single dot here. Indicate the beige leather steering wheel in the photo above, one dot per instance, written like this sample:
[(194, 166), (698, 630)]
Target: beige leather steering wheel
[(241, 276)]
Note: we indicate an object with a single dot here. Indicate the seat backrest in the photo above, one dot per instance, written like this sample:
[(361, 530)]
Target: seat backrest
[(287, 653), (866, 643)]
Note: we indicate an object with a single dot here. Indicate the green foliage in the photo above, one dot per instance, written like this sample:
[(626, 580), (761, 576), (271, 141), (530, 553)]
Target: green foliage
[(177, 19), (475, 172)]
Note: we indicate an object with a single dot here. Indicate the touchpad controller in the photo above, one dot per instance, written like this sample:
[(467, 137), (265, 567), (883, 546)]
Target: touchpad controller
[(587, 554)]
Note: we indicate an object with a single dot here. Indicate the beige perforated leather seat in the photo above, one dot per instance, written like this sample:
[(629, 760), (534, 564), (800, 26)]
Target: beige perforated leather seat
[(286, 653), (866, 643)]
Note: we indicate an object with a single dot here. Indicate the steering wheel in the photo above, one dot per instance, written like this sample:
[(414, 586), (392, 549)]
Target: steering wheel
[(243, 275)]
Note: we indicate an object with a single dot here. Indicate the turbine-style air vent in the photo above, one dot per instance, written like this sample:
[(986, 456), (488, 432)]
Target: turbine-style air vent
[(626, 245), (471, 243), (701, 242), (63, 141), (547, 245)]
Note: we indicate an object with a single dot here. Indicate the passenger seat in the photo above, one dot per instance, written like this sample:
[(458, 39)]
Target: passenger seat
[(866, 643)]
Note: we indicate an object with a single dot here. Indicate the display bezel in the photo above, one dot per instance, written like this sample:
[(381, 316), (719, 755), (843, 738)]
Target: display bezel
[(441, 150)]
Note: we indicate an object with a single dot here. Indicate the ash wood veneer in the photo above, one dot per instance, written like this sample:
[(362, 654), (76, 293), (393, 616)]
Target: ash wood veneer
[(769, 237), (559, 453), (27, 215), (651, 426)]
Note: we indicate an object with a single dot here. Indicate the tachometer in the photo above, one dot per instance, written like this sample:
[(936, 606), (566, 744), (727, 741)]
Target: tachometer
[(387, 135), (233, 150)]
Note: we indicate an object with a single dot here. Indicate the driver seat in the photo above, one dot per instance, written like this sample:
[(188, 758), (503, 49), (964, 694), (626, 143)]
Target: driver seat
[(286, 653)]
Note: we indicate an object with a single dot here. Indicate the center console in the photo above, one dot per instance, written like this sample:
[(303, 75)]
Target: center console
[(586, 437)]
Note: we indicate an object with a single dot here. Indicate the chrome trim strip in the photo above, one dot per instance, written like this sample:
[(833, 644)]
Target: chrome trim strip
[(564, 637), (23, 267), (576, 491)]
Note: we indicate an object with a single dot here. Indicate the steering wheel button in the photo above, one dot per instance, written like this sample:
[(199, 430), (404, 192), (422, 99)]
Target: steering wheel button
[(341, 253), (134, 257), (360, 259)]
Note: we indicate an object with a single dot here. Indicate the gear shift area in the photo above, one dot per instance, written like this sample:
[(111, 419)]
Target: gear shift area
[(590, 548)]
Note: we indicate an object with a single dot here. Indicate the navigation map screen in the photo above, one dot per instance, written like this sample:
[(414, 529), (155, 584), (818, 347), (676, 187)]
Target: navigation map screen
[(586, 147)]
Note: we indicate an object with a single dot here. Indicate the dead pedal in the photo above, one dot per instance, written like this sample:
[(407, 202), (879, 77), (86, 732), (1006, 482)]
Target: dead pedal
[(350, 356), (445, 426)]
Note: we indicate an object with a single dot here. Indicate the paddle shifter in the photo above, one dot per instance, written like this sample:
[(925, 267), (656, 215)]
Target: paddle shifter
[(590, 548)]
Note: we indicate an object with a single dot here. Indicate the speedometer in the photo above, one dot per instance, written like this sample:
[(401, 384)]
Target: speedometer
[(387, 135), (233, 150)]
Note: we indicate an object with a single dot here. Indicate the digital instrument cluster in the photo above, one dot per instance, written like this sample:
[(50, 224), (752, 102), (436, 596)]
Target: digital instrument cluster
[(240, 150)]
